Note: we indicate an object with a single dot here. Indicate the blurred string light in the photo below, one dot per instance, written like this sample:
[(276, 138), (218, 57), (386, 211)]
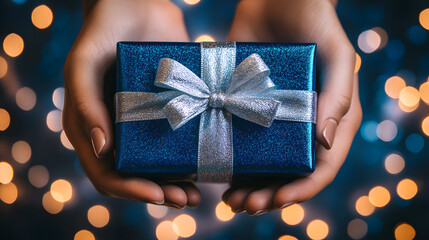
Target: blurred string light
[(61, 190), (357, 228), (379, 196), (414, 143), (404, 231), (384, 38), (42, 17), (287, 237), (425, 126), (164, 231), (364, 207), (368, 131), (6, 173), (407, 189), (156, 211), (53, 120), (8, 193), (407, 109), (58, 98), (84, 235), (65, 141), (3, 67), (393, 86), (424, 92), (13, 45), (409, 96), (26, 98), (4, 119), (317, 229), (387, 130), (38, 176), (293, 214), (224, 212), (51, 205), (424, 18), (394, 163), (191, 2), (98, 216), (372, 40), (204, 38), (358, 63), (184, 226), (21, 152)]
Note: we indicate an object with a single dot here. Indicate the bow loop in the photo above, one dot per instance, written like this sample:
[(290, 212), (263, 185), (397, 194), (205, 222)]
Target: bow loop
[(183, 108)]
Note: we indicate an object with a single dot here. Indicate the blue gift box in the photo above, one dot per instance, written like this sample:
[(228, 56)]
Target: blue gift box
[(151, 148)]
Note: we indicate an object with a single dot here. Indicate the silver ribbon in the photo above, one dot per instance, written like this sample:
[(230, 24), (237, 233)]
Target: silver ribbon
[(246, 91)]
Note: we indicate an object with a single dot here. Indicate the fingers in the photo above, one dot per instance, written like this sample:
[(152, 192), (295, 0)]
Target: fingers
[(237, 198), (260, 201), (178, 195)]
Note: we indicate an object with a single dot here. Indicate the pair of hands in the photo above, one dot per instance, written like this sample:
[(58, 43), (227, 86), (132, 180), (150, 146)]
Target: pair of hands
[(87, 123)]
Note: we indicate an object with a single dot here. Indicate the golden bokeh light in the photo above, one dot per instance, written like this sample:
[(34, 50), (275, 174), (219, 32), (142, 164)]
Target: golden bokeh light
[(407, 109), (13, 45), (424, 18), (369, 41), (53, 120), (26, 98), (164, 231), (51, 205), (204, 38), (409, 96), (357, 228), (424, 92), (42, 16), (379, 196), (21, 152), (6, 173), (425, 126), (358, 63), (191, 2), (364, 207), (65, 141), (184, 226), (287, 237), (8, 193), (404, 231), (4, 119), (61, 190), (98, 216), (384, 38), (293, 214), (224, 212), (3, 67), (407, 189), (38, 176), (156, 211), (394, 163), (84, 235), (317, 229), (393, 86), (58, 98)]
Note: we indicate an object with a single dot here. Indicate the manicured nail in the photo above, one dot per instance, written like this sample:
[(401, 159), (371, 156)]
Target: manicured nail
[(258, 212), (240, 210), (98, 140), (172, 205), (287, 205), (328, 133), (158, 203)]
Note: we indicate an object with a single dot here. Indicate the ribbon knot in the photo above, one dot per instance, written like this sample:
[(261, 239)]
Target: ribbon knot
[(217, 100)]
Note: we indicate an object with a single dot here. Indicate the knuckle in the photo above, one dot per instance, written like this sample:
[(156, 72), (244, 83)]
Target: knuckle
[(344, 103)]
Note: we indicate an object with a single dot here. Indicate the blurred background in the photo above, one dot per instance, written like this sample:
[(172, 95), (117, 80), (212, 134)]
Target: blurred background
[(381, 191)]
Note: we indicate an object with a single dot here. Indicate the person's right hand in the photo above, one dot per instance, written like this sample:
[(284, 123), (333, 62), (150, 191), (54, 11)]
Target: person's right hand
[(86, 119)]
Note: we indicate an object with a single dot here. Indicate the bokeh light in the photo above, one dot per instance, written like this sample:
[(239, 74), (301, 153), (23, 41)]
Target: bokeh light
[(204, 38), (98, 216), (157, 211), (425, 126), (358, 63), (404, 231), (38, 176), (379, 196), (224, 212), (13, 45), (65, 141), (164, 231), (424, 18), (61, 190), (424, 92), (8, 193), (4, 119), (58, 98), (409, 96), (287, 237), (42, 17), (407, 109), (3, 67), (369, 41), (184, 226), (394, 163), (25, 98), (357, 228), (317, 229), (293, 214), (387, 130), (21, 152), (384, 38), (84, 235), (191, 2), (364, 207), (53, 120), (407, 189), (414, 143), (368, 131), (51, 205), (6, 173), (393, 86)]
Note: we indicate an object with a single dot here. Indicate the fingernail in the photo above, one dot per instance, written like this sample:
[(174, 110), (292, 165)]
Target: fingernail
[(237, 210), (98, 140), (172, 205), (158, 203), (287, 205), (328, 133), (258, 212)]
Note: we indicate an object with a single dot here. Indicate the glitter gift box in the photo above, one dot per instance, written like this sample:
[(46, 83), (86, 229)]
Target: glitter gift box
[(150, 148)]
